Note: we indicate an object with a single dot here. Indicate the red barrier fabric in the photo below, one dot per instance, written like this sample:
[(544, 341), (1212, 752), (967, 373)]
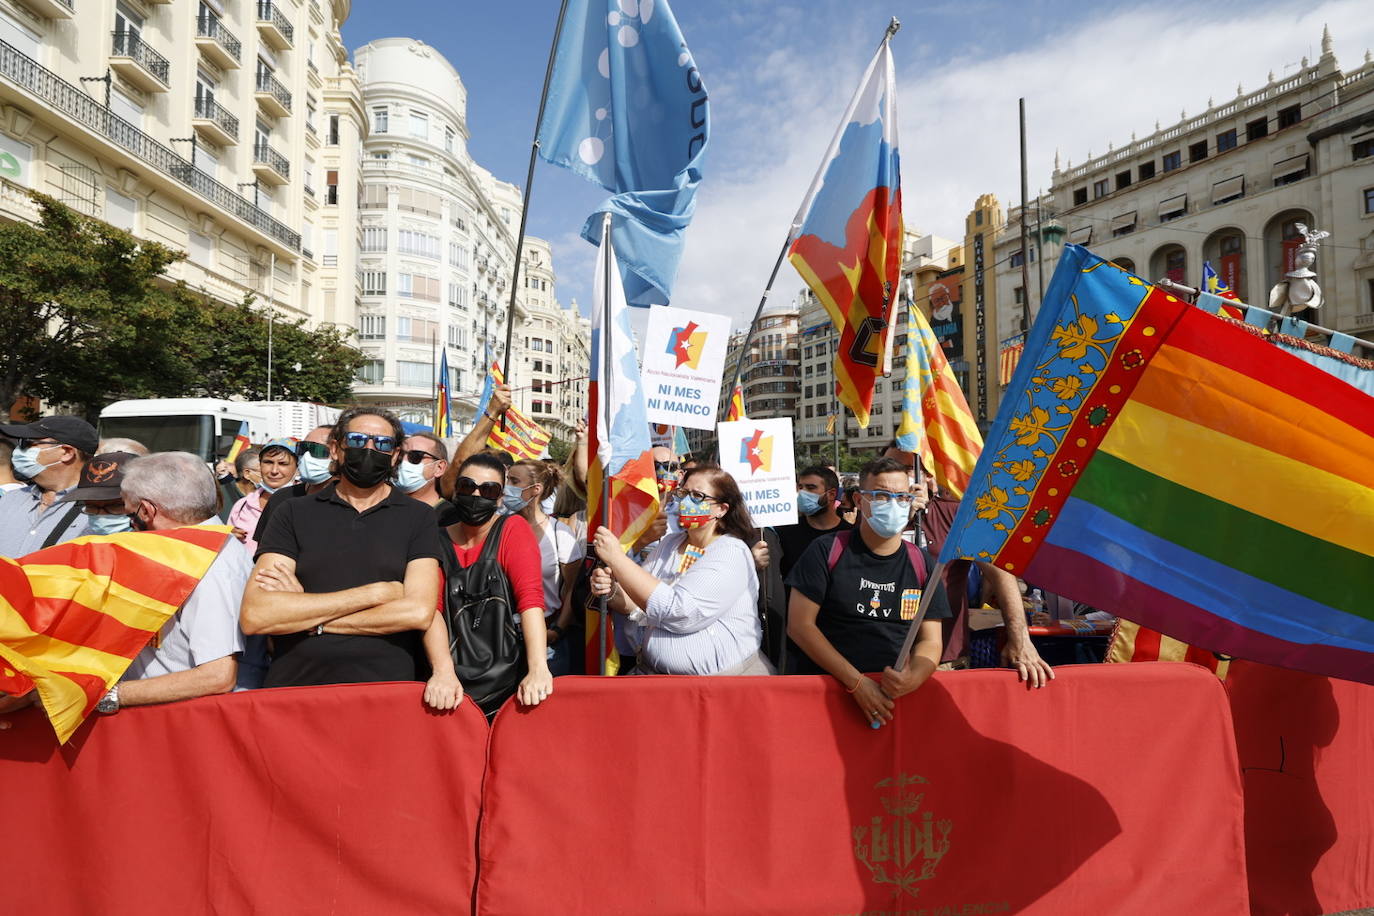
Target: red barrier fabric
[(1107, 792), (340, 800), (1306, 746)]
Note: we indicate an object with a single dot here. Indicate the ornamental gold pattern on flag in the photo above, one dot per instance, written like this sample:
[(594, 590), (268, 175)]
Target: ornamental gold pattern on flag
[(74, 616), (951, 444)]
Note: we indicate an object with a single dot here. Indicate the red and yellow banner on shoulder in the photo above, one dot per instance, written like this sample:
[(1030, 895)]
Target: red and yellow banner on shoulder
[(74, 616)]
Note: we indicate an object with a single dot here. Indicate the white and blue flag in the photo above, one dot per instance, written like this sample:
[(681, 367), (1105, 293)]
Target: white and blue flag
[(627, 110)]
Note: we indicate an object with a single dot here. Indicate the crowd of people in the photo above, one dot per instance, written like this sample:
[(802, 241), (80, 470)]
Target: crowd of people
[(362, 554)]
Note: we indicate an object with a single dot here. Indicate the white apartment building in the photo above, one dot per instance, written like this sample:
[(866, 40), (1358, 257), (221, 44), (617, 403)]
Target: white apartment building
[(1229, 186), (556, 346), (436, 235), (192, 124)]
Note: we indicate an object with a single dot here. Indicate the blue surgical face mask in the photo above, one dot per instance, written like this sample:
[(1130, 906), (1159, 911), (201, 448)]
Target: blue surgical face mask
[(25, 461), (808, 503), (262, 485), (110, 524), (312, 469), (410, 477), (546, 504), (514, 501), (887, 519)]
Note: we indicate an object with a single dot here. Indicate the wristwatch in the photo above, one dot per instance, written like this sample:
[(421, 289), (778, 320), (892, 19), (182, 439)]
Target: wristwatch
[(109, 703)]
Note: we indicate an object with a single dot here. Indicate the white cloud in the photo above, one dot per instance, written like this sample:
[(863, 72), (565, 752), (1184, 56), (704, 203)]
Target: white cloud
[(775, 112)]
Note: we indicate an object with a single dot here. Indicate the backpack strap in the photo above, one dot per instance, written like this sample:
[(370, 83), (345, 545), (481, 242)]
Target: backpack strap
[(918, 561), (493, 541), (62, 525), (837, 547)]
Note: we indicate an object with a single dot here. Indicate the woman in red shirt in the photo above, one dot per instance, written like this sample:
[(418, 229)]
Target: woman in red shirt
[(476, 496)]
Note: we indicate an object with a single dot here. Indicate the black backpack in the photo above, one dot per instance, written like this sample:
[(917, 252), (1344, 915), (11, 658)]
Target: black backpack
[(484, 635)]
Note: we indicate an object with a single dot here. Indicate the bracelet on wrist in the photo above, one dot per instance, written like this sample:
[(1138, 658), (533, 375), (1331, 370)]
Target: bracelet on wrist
[(857, 681)]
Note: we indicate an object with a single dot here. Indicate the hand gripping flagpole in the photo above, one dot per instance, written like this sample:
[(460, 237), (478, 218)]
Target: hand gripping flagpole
[(507, 362), (892, 27), (603, 409)]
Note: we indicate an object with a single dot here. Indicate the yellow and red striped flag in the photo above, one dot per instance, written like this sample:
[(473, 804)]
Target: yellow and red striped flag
[(522, 438), (951, 443), (847, 236), (240, 443), (736, 409), (74, 616), (1008, 359), (1133, 643)]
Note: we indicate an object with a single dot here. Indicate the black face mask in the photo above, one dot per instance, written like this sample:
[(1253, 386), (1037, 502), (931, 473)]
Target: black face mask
[(365, 467), (473, 509)]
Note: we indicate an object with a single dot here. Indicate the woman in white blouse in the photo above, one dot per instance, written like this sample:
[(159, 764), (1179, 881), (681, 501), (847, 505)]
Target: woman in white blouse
[(693, 607)]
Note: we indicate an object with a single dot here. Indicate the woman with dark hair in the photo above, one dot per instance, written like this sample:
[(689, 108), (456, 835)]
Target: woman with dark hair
[(693, 607), (528, 485), (511, 585), (347, 579)]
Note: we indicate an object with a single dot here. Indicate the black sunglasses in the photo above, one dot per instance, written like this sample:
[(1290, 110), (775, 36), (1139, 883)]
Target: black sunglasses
[(415, 456), (313, 449), (44, 442), (466, 486)]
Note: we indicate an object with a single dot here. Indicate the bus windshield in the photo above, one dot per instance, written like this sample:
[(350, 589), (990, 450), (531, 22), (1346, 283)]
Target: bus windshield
[(185, 433)]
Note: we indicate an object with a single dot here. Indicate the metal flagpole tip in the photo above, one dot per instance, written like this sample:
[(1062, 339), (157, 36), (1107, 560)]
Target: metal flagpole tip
[(893, 26)]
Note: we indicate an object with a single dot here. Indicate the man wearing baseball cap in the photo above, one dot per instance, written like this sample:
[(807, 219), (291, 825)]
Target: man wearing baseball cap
[(51, 454), (97, 492)]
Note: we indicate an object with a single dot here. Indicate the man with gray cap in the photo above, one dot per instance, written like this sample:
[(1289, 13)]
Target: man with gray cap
[(50, 453)]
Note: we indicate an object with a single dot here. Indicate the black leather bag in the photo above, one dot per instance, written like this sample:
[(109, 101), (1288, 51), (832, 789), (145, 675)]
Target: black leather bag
[(484, 635)]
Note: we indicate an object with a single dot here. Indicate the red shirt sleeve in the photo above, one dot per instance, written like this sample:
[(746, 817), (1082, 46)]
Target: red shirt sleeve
[(518, 553)]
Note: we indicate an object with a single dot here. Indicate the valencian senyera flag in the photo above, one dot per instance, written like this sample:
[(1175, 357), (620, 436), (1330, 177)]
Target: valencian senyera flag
[(847, 236), (627, 110), (518, 436), (936, 421), (1133, 643), (1166, 465), (735, 411), (443, 419), (1212, 283), (74, 616), (618, 443)]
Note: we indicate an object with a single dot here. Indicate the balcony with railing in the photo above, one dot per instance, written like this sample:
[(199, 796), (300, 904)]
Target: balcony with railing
[(269, 165), (274, 98), (133, 59), (81, 111), (274, 27), (50, 9), (218, 44), (214, 123)]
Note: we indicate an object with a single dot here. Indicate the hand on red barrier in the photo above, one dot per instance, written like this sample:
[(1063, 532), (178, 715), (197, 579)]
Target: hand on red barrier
[(536, 687), (875, 705), (1025, 658), (443, 691)]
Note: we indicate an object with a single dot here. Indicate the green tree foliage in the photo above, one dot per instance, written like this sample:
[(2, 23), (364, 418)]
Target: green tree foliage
[(559, 449), (87, 317)]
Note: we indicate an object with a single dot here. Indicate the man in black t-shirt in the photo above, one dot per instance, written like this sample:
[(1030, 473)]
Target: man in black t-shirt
[(854, 617), (817, 490)]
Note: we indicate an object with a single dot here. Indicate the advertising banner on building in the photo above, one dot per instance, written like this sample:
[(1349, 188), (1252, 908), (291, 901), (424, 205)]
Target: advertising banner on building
[(684, 359), (946, 296), (758, 454)]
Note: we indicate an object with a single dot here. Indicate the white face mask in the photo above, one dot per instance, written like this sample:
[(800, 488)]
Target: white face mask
[(312, 469), (547, 502), (25, 460)]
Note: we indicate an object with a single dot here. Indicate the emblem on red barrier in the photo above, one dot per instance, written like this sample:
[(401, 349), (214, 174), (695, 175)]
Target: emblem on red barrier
[(903, 846)]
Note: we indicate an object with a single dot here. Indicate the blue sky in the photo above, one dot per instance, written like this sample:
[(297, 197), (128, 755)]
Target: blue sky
[(780, 73)]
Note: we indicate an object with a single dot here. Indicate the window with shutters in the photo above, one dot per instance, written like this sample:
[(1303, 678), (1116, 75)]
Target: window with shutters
[(331, 186), (414, 375), (371, 327), (374, 238), (374, 283)]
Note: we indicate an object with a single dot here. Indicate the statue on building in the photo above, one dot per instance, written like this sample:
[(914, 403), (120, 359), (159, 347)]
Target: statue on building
[(1298, 290)]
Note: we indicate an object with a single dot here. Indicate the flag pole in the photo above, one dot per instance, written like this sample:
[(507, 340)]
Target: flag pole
[(892, 26), (1025, 230), (508, 363), (604, 398)]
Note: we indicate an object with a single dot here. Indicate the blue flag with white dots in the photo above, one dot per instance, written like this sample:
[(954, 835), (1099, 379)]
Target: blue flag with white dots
[(627, 110)]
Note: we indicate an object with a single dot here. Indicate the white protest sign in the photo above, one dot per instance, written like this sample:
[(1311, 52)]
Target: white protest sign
[(684, 359), (758, 454)]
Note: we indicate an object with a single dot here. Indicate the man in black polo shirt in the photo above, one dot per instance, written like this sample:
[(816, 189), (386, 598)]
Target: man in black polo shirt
[(347, 579), (850, 616)]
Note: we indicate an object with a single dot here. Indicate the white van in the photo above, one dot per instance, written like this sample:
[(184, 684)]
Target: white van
[(207, 426)]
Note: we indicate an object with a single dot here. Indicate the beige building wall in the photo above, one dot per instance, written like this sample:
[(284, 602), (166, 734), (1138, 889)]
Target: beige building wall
[(187, 123), (555, 348)]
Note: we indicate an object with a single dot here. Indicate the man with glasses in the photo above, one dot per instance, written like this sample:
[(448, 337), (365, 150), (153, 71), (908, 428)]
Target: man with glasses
[(347, 578), (50, 453), (855, 593), (422, 466), (98, 493)]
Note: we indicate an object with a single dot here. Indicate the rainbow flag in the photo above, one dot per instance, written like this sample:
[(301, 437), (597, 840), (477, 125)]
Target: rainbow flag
[(1173, 469), (736, 409), (618, 441), (933, 402), (847, 236), (74, 616), (522, 438)]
